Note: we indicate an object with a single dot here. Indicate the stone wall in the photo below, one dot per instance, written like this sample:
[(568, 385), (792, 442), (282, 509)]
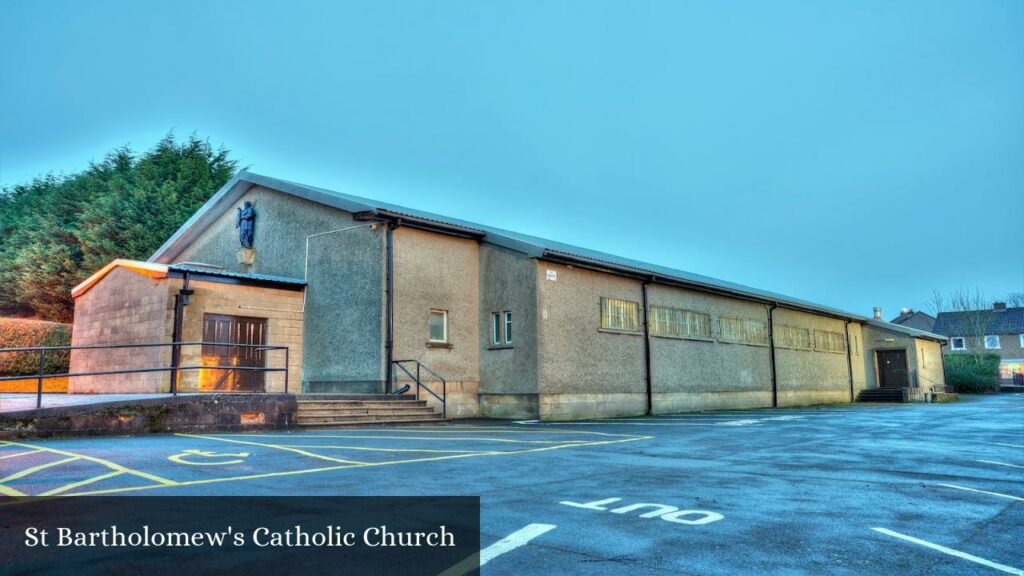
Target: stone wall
[(125, 307), (187, 413)]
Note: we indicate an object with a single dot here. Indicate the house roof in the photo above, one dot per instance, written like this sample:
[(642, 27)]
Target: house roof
[(914, 332), (906, 316), (158, 270), (533, 246), (1009, 321)]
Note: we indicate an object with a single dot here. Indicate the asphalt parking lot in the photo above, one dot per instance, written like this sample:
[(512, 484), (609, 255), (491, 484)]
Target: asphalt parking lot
[(851, 489)]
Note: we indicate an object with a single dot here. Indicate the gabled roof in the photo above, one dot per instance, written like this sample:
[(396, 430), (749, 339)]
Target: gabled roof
[(532, 246), (906, 316), (157, 270), (907, 330), (1008, 321)]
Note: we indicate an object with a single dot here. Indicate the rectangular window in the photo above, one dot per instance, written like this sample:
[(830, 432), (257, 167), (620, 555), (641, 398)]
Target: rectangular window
[(619, 314), (958, 343), (495, 329), (1022, 340), (992, 342), (792, 337), (508, 327), (742, 331), (439, 326), (825, 341), (679, 323)]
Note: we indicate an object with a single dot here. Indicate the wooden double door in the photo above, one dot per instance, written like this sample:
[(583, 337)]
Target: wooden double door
[(892, 369), (228, 341)]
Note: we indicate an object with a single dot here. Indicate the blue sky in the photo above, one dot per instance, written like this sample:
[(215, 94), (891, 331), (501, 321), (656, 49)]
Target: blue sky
[(852, 154)]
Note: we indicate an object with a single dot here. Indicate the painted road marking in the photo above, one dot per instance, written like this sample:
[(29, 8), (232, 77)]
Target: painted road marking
[(1001, 463), (20, 454), (81, 483), (217, 458), (275, 446), (107, 463), (1017, 498), (33, 469), (514, 540), (611, 439), (952, 552), (1010, 445), (666, 512)]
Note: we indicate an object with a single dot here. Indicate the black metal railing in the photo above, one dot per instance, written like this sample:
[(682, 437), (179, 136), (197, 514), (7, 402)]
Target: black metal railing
[(419, 382), (174, 367)]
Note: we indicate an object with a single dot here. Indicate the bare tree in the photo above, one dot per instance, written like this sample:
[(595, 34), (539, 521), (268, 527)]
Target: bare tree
[(937, 303), (1015, 299)]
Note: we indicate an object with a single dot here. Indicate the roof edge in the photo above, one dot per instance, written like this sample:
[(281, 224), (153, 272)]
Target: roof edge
[(151, 269)]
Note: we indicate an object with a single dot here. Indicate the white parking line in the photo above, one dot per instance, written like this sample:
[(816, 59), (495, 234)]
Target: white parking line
[(1010, 445), (1001, 463), (506, 544), (951, 552), (513, 541), (1017, 498)]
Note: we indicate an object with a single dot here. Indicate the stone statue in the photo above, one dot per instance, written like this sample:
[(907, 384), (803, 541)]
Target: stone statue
[(246, 223)]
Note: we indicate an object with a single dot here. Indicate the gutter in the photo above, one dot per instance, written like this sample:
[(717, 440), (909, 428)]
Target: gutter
[(647, 351), (180, 301), (771, 354), (849, 359)]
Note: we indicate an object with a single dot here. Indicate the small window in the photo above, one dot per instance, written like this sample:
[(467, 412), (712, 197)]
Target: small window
[(508, 327), (439, 326), (495, 329), (619, 314), (992, 342), (825, 341), (742, 331), (1022, 340), (792, 337), (679, 323), (958, 343)]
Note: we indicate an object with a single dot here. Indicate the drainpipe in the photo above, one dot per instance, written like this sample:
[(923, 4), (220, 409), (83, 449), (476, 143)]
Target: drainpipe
[(849, 359), (180, 301), (647, 352), (389, 306), (771, 354)]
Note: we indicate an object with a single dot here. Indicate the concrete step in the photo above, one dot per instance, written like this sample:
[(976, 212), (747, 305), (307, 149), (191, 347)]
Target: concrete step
[(364, 418), (438, 421), (339, 404), (316, 412), (383, 397), (882, 395)]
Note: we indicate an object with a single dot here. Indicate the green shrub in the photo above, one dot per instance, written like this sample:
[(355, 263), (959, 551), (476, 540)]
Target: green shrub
[(973, 373), (22, 333)]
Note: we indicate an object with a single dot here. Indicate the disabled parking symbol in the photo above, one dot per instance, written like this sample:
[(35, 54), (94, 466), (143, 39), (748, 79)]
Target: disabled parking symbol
[(194, 457)]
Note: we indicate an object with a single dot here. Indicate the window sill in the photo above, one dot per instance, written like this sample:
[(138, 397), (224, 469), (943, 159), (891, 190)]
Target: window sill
[(694, 338), (500, 347), (622, 332), (720, 341), (431, 344)]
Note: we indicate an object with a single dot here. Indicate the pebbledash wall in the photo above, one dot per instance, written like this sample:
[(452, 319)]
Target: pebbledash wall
[(560, 363)]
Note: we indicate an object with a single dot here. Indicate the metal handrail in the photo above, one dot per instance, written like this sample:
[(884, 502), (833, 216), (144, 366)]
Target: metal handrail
[(419, 383), (42, 350)]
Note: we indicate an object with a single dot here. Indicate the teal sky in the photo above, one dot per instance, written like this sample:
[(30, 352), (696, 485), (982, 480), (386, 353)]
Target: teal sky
[(852, 154)]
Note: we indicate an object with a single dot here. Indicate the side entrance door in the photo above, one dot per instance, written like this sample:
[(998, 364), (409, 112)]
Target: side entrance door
[(220, 334), (892, 369)]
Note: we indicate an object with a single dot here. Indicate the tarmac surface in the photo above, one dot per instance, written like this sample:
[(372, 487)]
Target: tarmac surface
[(932, 489)]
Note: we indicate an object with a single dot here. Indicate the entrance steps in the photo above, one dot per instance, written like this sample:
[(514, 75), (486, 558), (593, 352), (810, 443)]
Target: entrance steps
[(883, 395), (368, 410)]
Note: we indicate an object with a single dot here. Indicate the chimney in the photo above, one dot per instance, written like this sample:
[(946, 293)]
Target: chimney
[(999, 306), (878, 312)]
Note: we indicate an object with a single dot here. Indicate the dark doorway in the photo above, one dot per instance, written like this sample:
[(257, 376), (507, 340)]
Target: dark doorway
[(220, 333), (892, 369)]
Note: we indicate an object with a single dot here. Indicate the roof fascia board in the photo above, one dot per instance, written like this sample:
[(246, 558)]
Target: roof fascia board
[(207, 213)]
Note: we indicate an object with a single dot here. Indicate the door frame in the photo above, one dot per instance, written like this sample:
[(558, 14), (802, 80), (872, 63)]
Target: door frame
[(878, 367)]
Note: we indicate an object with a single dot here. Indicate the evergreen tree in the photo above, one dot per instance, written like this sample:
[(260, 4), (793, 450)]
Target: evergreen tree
[(56, 231)]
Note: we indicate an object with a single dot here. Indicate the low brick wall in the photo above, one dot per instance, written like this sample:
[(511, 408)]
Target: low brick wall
[(189, 413)]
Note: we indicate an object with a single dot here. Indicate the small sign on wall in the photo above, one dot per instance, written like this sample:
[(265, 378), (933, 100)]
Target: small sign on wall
[(552, 275)]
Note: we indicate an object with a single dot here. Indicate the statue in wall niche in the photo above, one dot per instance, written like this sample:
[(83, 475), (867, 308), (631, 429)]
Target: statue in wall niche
[(246, 224)]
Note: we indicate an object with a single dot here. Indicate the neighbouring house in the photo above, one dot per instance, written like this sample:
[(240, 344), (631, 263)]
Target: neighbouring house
[(915, 319), (999, 330), (518, 326)]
